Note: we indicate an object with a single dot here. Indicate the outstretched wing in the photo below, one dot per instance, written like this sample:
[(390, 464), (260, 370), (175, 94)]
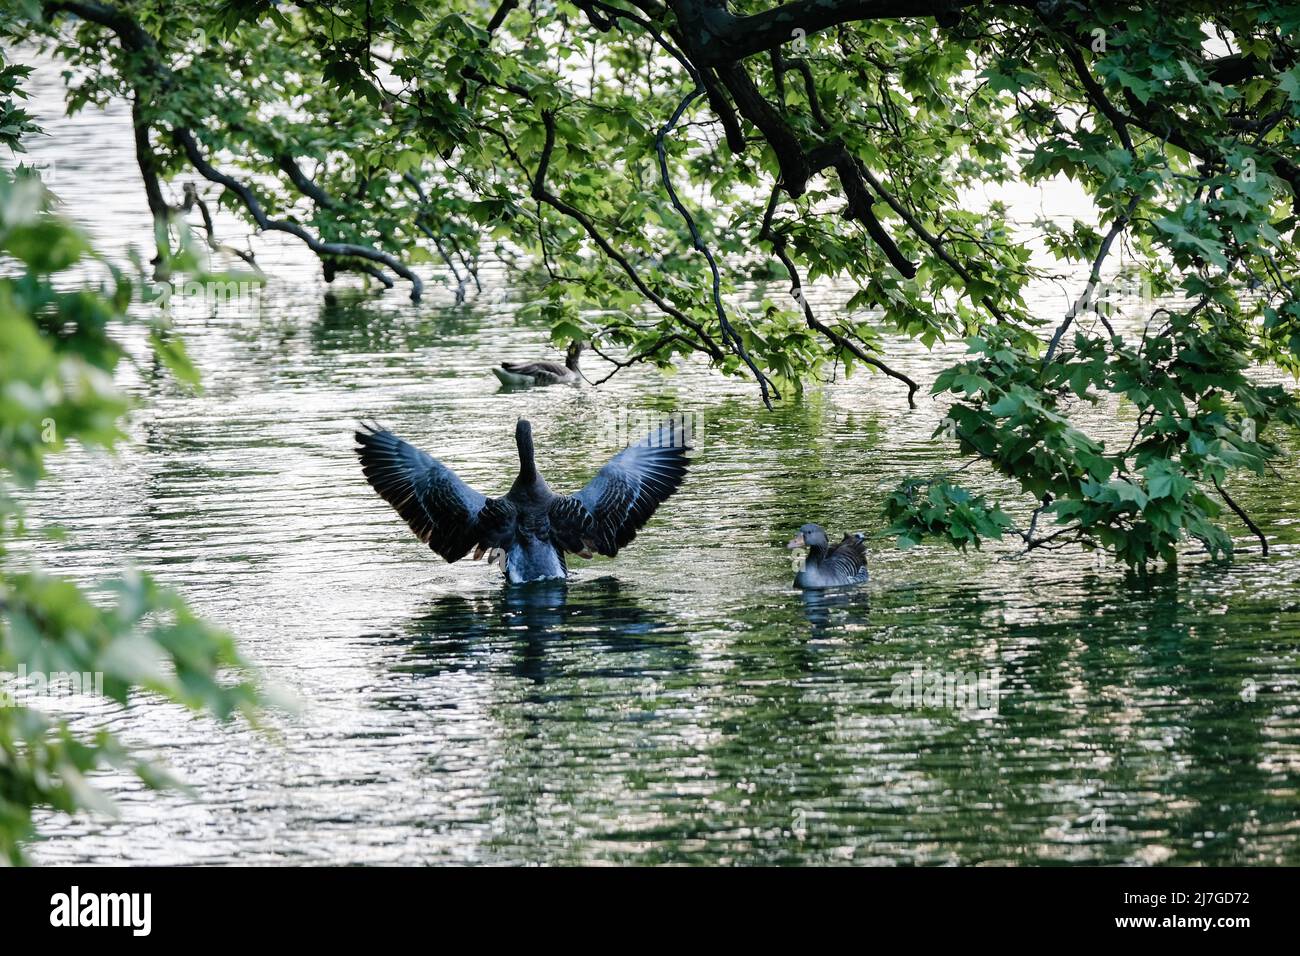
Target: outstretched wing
[(607, 513), (444, 512)]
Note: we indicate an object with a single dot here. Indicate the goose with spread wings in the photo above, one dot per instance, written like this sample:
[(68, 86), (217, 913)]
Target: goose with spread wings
[(530, 528)]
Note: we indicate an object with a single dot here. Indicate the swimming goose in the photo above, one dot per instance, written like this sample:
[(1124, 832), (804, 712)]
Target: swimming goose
[(528, 530), (826, 567), (542, 373)]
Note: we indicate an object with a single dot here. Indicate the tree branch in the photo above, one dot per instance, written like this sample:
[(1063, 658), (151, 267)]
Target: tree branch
[(726, 38), (134, 38), (540, 192), (185, 139), (1094, 276), (927, 237), (642, 356), (778, 244), (764, 383), (1098, 96), (799, 165), (1241, 513), (194, 200)]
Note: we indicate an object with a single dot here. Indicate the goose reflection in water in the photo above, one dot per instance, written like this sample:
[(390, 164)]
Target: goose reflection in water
[(830, 609), (530, 625)]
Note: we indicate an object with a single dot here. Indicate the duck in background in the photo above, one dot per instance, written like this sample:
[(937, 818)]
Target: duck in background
[(527, 374), (827, 567)]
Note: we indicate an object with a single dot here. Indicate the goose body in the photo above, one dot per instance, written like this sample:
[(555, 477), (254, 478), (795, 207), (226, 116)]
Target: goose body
[(528, 530), (527, 374), (825, 567)]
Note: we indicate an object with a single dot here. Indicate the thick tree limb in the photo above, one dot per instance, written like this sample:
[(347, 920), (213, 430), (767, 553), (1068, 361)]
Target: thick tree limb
[(331, 267), (1235, 68), (303, 183), (1097, 96), (919, 230), (799, 165), (726, 38), (148, 163), (718, 101), (499, 17)]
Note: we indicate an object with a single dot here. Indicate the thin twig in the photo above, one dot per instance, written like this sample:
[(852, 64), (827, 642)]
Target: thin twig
[(1094, 277), (1246, 519), (540, 191), (777, 241), (764, 383)]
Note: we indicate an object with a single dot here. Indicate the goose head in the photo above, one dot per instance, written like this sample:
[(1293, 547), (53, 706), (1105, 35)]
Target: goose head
[(574, 351), (810, 536)]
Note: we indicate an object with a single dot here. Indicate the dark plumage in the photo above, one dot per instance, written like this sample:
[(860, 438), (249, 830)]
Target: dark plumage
[(528, 529), (542, 373), (827, 567)]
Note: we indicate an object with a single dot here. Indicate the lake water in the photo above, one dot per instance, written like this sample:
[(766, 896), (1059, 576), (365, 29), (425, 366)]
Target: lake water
[(679, 704)]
